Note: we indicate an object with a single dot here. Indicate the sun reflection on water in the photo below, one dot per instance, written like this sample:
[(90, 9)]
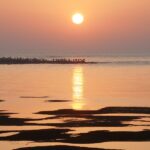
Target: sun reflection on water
[(78, 88)]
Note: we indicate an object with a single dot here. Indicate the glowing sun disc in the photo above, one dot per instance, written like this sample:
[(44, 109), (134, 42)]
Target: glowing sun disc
[(77, 18)]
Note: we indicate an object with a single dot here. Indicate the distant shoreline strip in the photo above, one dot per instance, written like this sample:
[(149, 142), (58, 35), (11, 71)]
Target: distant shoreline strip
[(21, 61), (10, 60)]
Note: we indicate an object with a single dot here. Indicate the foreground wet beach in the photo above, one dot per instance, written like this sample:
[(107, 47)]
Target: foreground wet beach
[(67, 129), (83, 108)]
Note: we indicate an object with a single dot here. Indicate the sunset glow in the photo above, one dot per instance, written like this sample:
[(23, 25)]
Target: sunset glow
[(77, 18), (74, 74), (49, 27)]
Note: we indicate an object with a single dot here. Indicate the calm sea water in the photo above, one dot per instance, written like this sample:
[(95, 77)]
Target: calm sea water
[(120, 81)]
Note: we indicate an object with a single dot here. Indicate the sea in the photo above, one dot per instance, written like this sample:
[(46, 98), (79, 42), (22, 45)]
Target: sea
[(42, 98)]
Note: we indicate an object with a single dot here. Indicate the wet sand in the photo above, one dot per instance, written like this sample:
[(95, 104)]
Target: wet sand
[(62, 132), (93, 107)]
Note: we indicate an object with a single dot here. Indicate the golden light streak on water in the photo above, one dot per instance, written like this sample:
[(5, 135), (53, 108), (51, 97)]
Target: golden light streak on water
[(78, 88)]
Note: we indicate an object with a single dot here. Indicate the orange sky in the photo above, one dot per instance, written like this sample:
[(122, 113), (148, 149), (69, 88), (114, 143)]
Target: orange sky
[(44, 27)]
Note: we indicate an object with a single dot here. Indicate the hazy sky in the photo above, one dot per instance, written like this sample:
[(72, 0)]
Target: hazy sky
[(44, 27)]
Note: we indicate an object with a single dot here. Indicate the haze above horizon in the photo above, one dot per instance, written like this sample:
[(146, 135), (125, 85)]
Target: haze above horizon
[(45, 28)]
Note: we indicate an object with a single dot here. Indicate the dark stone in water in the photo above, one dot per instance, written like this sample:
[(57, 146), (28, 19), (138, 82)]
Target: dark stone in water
[(57, 101), (107, 110), (42, 135), (63, 136), (108, 136), (34, 96), (2, 100), (6, 120)]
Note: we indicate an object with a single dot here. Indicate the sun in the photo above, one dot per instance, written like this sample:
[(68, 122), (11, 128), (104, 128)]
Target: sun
[(77, 18)]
